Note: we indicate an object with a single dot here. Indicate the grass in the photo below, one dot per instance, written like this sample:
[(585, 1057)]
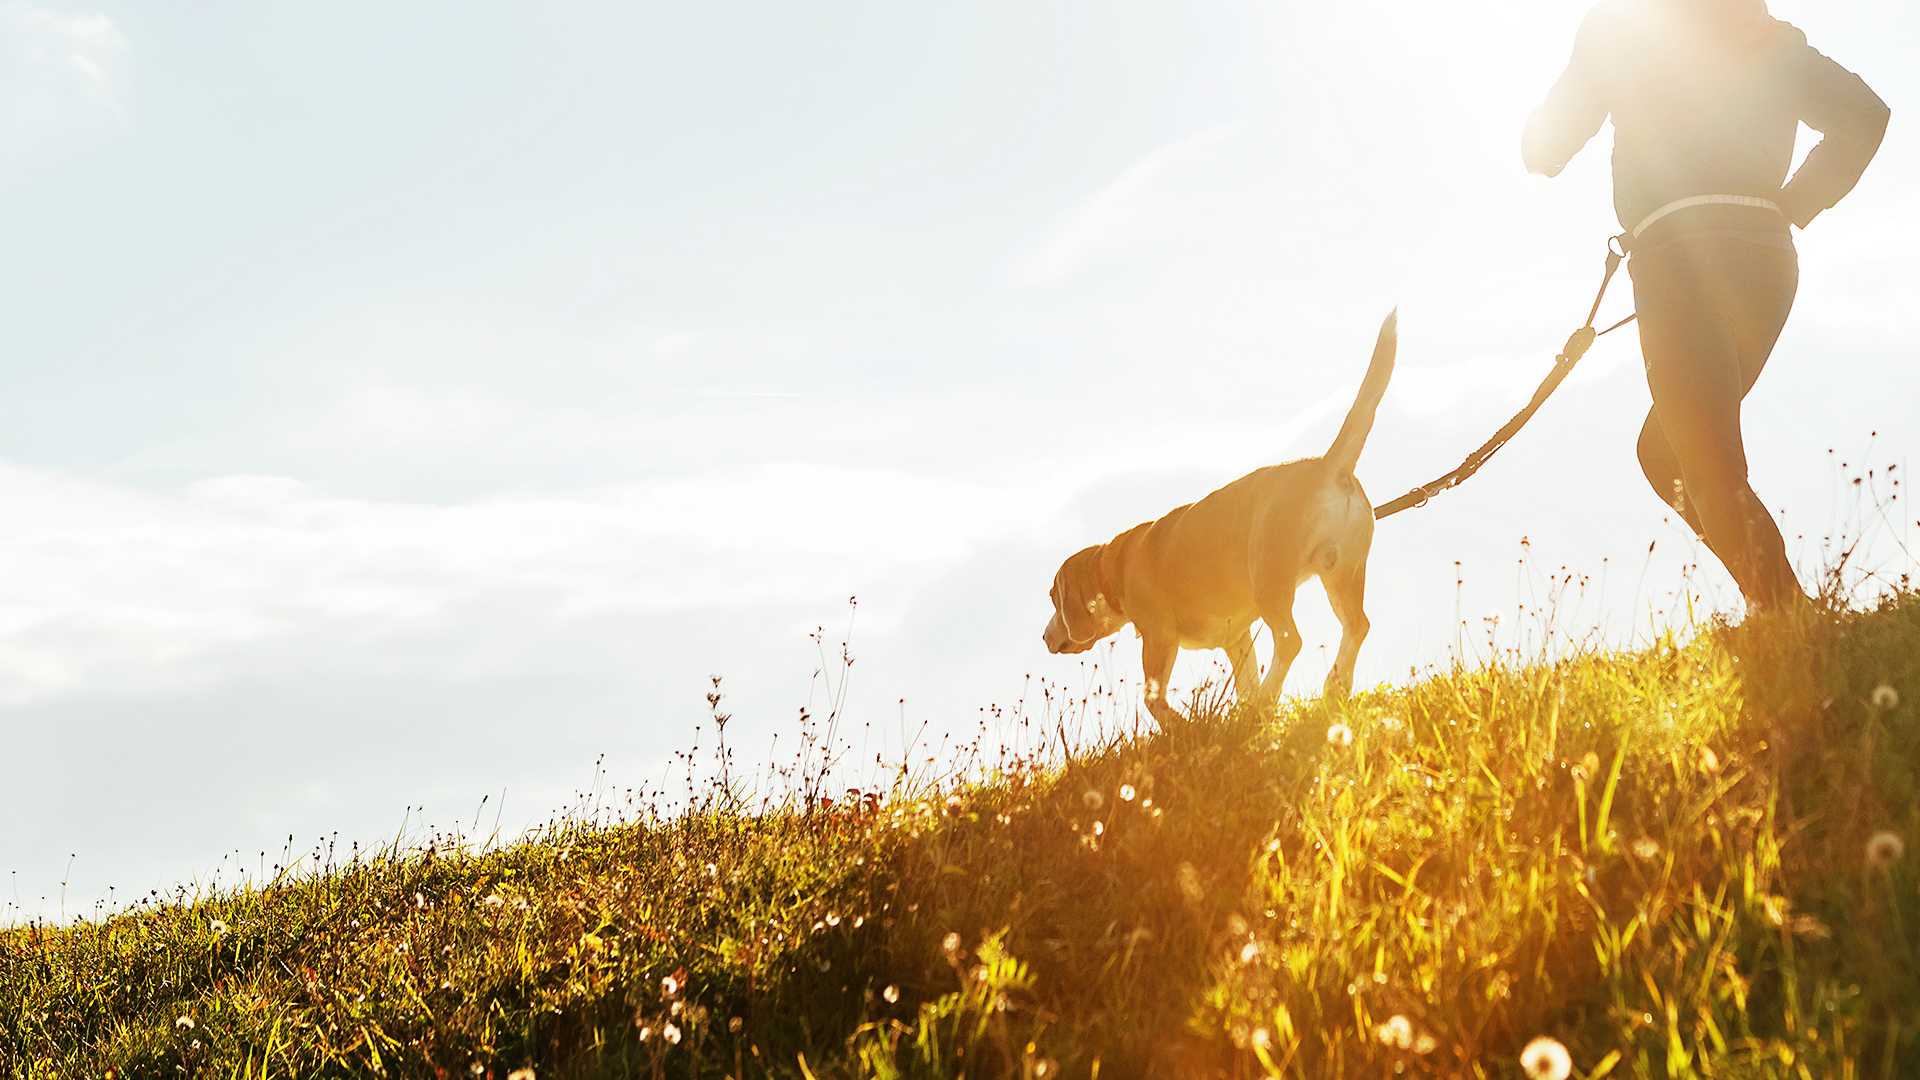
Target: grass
[(1665, 860)]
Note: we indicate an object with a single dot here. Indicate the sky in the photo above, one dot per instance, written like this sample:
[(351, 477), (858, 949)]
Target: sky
[(406, 405)]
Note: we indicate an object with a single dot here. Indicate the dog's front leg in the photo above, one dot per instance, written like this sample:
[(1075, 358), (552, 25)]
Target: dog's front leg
[(1246, 668), (1157, 655), (1277, 613)]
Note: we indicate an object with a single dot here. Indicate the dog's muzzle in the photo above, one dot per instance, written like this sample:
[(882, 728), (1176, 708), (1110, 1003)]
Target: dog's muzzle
[(1059, 642)]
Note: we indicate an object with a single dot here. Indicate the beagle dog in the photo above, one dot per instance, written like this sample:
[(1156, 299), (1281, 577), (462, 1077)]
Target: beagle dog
[(1199, 577)]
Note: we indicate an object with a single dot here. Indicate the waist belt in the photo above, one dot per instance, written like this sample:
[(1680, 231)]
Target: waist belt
[(1701, 200)]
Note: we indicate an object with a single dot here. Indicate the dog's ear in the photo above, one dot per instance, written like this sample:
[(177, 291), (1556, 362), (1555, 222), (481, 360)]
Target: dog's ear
[(1078, 593)]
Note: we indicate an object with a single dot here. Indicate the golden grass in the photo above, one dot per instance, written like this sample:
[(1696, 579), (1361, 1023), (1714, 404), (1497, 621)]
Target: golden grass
[(1665, 861)]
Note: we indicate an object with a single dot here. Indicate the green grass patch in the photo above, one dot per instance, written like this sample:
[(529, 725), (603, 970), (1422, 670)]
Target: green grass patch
[(1684, 861)]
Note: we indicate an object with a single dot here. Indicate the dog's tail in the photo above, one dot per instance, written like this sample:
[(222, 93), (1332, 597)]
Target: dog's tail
[(1345, 451)]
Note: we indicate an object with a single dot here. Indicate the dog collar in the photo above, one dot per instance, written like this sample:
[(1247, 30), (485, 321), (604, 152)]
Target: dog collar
[(1106, 588)]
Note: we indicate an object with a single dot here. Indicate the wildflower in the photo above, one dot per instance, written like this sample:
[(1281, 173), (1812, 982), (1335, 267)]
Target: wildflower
[(1127, 793), (1885, 697), (476, 1068), (891, 993), (1545, 1059), (1340, 734), (832, 919), (735, 1024), (671, 1034), (1885, 849), (219, 928), (1646, 847), (677, 1008), (184, 1022), (1189, 881), (1397, 1031), (521, 1074), (951, 943), (493, 902), (646, 1032), (670, 986), (1094, 800), (1807, 926)]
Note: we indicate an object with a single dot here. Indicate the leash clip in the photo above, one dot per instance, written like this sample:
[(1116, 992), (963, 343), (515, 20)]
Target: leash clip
[(1578, 344)]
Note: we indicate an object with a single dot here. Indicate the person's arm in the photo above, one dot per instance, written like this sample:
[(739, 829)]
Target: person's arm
[(1573, 111), (1852, 119)]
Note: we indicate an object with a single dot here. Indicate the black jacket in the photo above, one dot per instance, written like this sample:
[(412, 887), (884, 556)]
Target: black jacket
[(1702, 107)]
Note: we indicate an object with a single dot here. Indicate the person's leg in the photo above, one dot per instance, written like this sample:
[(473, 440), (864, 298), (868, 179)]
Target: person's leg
[(1709, 312)]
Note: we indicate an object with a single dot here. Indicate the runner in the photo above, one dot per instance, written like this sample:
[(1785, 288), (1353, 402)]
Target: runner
[(1706, 97)]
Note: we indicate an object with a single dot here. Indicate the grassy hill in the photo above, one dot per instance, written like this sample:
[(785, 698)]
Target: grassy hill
[(1687, 861)]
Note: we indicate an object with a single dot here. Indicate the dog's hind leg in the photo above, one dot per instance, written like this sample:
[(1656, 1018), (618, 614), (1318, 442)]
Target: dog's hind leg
[(1347, 592)]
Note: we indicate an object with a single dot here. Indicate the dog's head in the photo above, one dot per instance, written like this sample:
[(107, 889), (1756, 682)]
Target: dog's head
[(1082, 613)]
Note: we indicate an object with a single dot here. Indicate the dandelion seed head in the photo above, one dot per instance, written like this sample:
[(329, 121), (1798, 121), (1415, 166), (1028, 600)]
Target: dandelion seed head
[(184, 1022), (646, 1032), (671, 1034), (521, 1074), (954, 805), (832, 919), (735, 1024), (670, 986), (493, 902), (1094, 800), (892, 994), (1340, 735), (1546, 1059), (1884, 849), (951, 943), (1886, 697), (1397, 1031), (1126, 793), (1646, 847), (219, 928), (476, 1068), (1425, 1043)]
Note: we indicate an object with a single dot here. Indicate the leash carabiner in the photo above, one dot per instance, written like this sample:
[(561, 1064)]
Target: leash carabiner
[(1576, 347)]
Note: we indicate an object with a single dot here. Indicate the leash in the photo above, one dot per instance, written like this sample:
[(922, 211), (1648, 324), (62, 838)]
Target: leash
[(1576, 347)]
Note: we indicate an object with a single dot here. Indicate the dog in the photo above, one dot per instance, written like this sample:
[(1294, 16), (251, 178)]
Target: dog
[(1199, 577)]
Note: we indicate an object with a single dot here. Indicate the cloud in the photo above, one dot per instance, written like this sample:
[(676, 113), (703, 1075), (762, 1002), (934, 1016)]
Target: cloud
[(55, 68), (1153, 200), (117, 592)]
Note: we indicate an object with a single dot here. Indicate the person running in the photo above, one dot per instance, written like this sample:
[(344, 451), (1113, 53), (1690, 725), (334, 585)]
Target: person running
[(1706, 98)]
